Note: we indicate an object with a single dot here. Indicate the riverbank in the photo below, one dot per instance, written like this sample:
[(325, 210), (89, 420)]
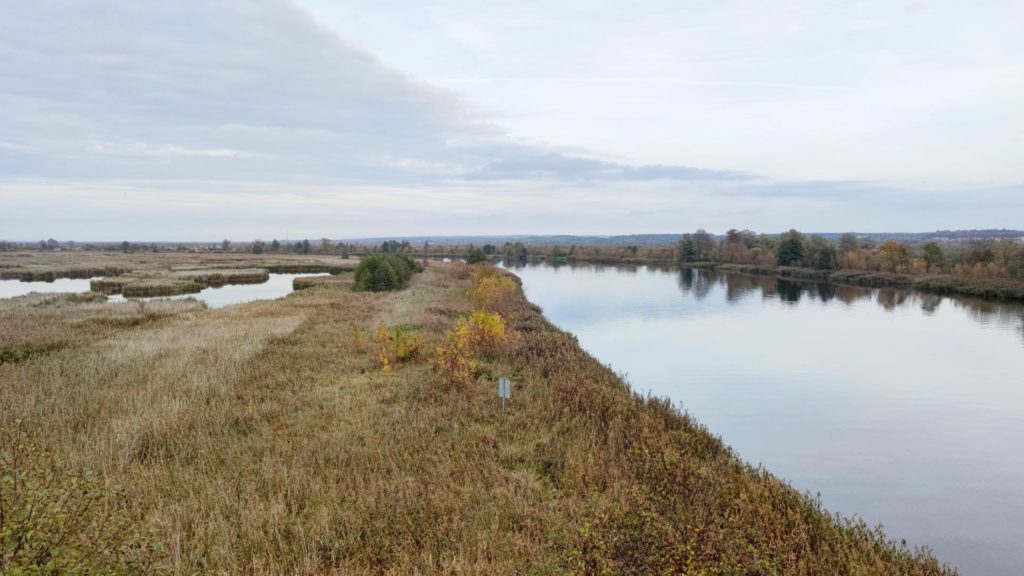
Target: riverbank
[(945, 284), (266, 438)]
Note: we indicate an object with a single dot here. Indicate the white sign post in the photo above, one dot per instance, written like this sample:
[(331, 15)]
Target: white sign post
[(504, 390)]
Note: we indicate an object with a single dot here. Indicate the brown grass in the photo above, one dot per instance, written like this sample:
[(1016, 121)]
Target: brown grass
[(265, 439)]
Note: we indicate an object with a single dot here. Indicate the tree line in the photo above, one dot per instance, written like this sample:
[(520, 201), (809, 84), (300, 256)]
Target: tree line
[(981, 258)]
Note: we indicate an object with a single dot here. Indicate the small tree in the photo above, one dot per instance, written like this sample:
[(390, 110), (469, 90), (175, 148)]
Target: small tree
[(383, 272), (848, 243), (821, 254), (476, 256), (703, 244), (933, 256), (684, 251), (894, 255), (790, 250), (275, 246), (225, 245)]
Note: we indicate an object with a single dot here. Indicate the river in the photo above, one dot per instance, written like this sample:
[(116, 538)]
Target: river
[(903, 408)]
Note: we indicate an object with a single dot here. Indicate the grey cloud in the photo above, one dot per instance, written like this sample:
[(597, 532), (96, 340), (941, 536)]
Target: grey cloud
[(565, 167), (240, 89), (810, 189)]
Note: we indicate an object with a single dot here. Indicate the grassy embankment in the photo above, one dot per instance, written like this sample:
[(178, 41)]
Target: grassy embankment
[(266, 438)]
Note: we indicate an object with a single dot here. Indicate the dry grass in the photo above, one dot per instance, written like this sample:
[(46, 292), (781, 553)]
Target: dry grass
[(343, 281), (264, 439)]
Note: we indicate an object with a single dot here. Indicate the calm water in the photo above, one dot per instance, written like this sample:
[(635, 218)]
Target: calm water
[(12, 288), (277, 286), (903, 408)]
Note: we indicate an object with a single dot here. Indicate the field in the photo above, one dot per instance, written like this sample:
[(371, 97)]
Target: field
[(274, 437)]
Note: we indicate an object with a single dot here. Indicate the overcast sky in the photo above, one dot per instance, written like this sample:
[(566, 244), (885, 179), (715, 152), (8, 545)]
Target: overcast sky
[(199, 120)]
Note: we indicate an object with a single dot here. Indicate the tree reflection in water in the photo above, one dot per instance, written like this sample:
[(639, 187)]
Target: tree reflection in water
[(737, 287)]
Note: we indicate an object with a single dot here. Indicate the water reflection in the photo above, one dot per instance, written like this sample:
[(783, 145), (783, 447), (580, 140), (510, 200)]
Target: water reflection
[(700, 283), (739, 286)]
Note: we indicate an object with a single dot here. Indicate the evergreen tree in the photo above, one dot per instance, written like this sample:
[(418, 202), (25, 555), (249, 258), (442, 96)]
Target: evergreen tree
[(790, 251)]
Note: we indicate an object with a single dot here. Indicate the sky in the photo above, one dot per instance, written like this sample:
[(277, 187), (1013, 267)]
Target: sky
[(200, 120)]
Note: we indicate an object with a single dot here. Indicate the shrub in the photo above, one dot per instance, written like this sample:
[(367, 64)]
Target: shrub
[(383, 272), (453, 360), (491, 291), (395, 346), (486, 332), (58, 520), (481, 334), (476, 256)]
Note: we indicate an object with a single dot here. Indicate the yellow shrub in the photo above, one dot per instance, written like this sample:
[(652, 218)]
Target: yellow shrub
[(453, 360), (495, 293), (486, 331), (395, 346)]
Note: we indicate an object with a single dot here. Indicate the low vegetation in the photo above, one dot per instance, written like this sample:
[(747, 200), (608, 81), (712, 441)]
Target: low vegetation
[(222, 276), (175, 282), (989, 288), (59, 519), (306, 282), (357, 432), (145, 287)]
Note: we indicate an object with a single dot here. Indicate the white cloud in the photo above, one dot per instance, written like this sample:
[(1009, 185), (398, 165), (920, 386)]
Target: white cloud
[(145, 149), (919, 93)]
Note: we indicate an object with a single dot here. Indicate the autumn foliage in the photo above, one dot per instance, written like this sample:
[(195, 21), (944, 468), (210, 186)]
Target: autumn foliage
[(453, 360), (491, 290), (483, 334), (394, 346)]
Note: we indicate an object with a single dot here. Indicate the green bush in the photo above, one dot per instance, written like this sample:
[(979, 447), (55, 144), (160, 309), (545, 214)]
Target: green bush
[(476, 256), (383, 272), (56, 519)]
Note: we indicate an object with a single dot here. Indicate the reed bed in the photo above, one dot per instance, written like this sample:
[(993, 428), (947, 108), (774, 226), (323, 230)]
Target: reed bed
[(332, 281), (47, 274), (989, 288), (222, 276), (313, 268), (865, 278), (160, 287)]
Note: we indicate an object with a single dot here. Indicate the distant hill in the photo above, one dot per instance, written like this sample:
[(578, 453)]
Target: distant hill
[(667, 239), (547, 240)]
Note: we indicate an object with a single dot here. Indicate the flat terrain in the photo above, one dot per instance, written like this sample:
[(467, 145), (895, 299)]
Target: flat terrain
[(267, 438)]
